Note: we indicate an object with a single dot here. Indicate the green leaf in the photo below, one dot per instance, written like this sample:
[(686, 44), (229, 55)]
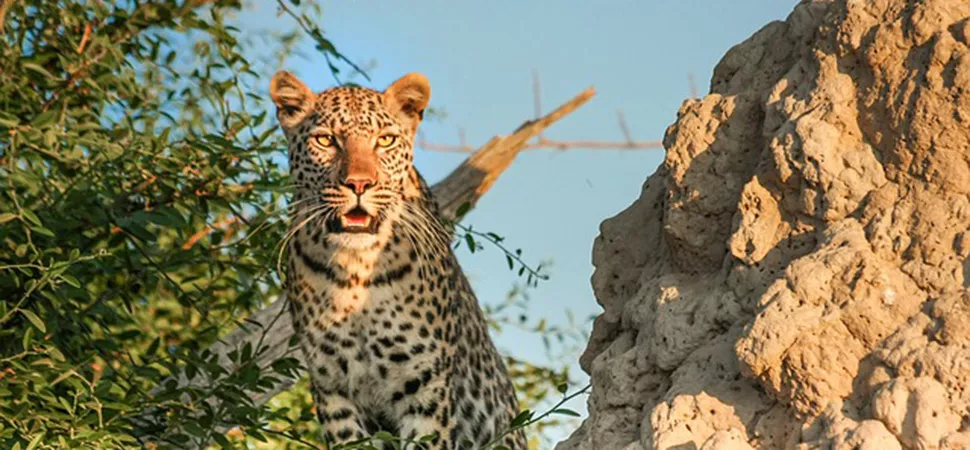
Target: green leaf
[(56, 354), (32, 217), (383, 436), (28, 339), (140, 232), (565, 412), (34, 320), (195, 429), (7, 217), (257, 435), (34, 442), (522, 418), (63, 377), (43, 231), (247, 352), (221, 440), (71, 280), (36, 68), (44, 119), (153, 347), (8, 120), (462, 210)]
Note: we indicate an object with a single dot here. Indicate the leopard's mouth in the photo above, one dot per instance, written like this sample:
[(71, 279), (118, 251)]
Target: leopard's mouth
[(356, 220)]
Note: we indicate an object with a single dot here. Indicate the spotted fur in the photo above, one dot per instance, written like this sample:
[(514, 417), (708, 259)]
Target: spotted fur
[(393, 334)]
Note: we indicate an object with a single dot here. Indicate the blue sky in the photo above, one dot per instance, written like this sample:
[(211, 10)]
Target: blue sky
[(479, 58)]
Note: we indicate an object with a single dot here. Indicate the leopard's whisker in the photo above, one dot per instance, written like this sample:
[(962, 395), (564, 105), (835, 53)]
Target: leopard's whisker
[(289, 235)]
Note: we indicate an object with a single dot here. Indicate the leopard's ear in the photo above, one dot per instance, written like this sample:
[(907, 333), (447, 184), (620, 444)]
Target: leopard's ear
[(293, 99), (408, 97)]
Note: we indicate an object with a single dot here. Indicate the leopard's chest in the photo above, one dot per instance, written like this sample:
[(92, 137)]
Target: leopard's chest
[(366, 337)]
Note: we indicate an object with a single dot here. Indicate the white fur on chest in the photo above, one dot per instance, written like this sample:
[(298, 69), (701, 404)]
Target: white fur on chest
[(362, 314), (369, 332)]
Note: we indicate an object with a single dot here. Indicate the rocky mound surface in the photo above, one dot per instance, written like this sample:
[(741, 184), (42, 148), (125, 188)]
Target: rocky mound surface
[(796, 275)]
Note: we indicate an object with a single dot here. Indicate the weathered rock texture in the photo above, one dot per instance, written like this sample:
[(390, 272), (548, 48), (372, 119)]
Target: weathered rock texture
[(797, 273)]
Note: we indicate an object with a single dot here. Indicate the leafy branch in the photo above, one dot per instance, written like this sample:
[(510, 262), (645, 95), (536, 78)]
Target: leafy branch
[(323, 45), (470, 237), (528, 418)]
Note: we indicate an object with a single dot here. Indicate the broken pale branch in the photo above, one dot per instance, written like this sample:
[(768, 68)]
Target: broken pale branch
[(475, 176)]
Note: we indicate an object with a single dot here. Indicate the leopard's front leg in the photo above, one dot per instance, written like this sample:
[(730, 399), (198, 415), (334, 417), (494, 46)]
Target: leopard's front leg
[(340, 419), (424, 409)]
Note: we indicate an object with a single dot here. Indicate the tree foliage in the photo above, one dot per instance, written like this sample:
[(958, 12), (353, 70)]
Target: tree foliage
[(143, 204)]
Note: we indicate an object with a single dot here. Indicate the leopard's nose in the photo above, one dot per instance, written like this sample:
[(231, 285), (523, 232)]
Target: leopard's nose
[(358, 185)]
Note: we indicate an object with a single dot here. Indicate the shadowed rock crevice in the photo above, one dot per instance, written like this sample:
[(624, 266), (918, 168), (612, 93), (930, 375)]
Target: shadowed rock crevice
[(795, 275)]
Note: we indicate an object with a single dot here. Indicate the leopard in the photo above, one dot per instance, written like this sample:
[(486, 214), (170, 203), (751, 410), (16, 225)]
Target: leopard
[(392, 333)]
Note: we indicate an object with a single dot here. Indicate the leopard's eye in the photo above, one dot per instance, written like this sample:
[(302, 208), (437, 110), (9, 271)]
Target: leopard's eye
[(386, 140), (324, 140)]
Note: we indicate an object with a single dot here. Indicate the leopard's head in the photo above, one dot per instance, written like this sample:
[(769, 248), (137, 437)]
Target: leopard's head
[(351, 153)]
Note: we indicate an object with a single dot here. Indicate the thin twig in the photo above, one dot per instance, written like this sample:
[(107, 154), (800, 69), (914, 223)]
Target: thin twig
[(623, 126), (541, 142), (533, 420), (551, 144), (84, 38), (536, 97), (315, 33)]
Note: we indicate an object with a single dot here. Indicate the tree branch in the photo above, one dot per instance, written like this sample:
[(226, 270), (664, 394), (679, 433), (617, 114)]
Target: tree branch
[(269, 331), (475, 176)]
